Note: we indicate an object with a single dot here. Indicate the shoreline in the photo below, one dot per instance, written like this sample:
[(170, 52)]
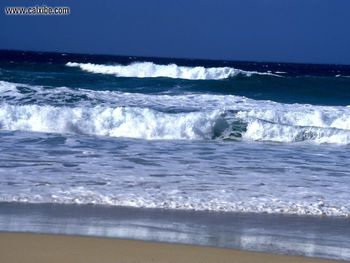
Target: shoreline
[(319, 237), (36, 248)]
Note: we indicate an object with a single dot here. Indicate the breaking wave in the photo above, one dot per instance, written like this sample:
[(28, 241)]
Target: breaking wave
[(151, 70), (177, 117), (145, 123), (105, 121)]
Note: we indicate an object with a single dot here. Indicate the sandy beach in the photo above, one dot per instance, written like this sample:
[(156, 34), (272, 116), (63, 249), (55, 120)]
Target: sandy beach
[(36, 248)]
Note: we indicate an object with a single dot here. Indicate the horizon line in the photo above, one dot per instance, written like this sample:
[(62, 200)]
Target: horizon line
[(176, 58)]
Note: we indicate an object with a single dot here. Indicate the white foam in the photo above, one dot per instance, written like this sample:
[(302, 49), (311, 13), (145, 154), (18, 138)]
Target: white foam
[(264, 131), (151, 70), (7, 88), (293, 123), (246, 180), (146, 116), (149, 124), (175, 200), (105, 121)]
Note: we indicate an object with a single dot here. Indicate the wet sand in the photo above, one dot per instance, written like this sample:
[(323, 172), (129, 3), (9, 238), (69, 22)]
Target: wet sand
[(314, 237), (36, 248)]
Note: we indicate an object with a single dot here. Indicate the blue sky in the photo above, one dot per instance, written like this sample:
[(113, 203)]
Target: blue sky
[(316, 31)]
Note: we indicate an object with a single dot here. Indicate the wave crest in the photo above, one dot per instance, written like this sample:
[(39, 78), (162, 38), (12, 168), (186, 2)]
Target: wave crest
[(106, 121), (172, 117), (151, 70), (146, 123)]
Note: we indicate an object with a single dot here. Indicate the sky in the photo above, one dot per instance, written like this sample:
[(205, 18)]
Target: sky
[(306, 31)]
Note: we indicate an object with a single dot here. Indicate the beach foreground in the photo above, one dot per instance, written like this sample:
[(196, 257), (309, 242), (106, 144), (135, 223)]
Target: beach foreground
[(30, 248)]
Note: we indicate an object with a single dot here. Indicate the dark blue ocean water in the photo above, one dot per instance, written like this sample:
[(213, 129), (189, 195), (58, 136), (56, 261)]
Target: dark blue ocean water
[(175, 133)]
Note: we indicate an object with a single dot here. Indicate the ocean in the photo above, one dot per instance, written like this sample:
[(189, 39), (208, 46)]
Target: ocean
[(174, 134), (244, 155)]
